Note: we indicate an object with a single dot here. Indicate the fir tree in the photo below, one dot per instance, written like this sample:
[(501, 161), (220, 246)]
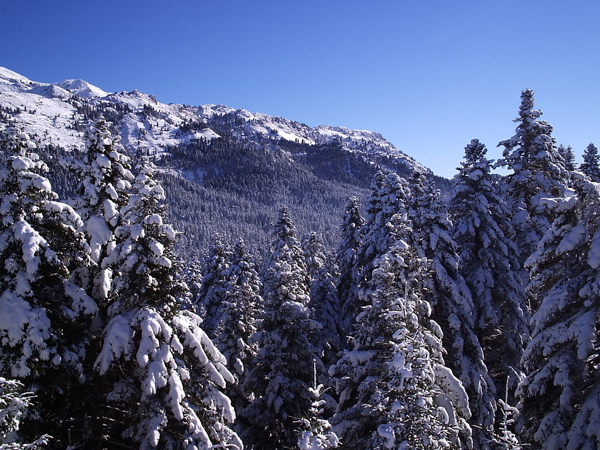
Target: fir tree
[(538, 171), (212, 289), (395, 390), (324, 303), (104, 190), (490, 263), (591, 163), (325, 309), (13, 406), (162, 377), (239, 311), (452, 304), (314, 257), (316, 432), (282, 368), (346, 259), (238, 315), (561, 393), (568, 157), (44, 316)]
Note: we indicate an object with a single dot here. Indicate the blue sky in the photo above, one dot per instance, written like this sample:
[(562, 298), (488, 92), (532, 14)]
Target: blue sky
[(429, 75)]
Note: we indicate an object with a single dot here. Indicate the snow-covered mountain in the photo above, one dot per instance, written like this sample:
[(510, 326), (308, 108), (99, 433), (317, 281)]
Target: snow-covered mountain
[(57, 113), (225, 170)]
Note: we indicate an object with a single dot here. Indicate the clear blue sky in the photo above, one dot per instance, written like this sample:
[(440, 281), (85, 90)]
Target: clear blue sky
[(428, 75)]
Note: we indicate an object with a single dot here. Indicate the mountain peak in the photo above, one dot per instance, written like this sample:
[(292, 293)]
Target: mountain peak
[(82, 88), (9, 75)]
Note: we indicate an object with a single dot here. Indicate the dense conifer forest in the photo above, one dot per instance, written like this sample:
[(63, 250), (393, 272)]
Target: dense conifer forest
[(414, 314)]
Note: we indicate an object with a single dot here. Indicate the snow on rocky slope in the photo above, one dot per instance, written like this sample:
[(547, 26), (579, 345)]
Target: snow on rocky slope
[(59, 113)]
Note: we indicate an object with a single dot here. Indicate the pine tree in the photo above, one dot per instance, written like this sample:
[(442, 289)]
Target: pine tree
[(568, 157), (452, 304), (388, 195), (162, 378), (282, 369), (324, 303), (314, 257), (241, 306), (325, 309), (561, 393), (238, 315), (346, 260), (44, 316), (14, 404), (591, 163), (395, 390), (316, 432), (538, 172), (212, 289), (106, 179), (490, 263)]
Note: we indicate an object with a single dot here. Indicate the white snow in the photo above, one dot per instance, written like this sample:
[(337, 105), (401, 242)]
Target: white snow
[(99, 233), (82, 88), (48, 119), (117, 342)]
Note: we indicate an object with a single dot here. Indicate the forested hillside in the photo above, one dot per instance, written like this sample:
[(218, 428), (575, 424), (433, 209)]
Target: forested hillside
[(169, 300)]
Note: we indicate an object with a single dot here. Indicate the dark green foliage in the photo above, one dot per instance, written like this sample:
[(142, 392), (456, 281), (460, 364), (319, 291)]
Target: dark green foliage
[(591, 163), (283, 367), (490, 266)]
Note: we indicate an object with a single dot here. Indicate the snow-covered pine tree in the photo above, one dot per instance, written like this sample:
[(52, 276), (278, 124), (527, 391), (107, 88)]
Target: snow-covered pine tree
[(106, 179), (161, 377), (324, 302), (238, 314), (568, 157), (212, 289), (388, 194), (538, 171), (44, 316), (314, 256), (282, 368), (13, 406), (315, 431), (325, 309), (490, 263), (350, 241), (452, 304), (395, 390), (373, 243), (561, 393), (591, 163)]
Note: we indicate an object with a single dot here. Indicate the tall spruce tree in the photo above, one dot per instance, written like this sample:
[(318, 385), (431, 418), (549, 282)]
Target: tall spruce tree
[(346, 260), (314, 255), (44, 316), (452, 304), (282, 369), (568, 157), (162, 378), (238, 315), (395, 391), (239, 311), (213, 289), (538, 171), (14, 404), (591, 163), (324, 303), (561, 393), (106, 180), (325, 309), (490, 263)]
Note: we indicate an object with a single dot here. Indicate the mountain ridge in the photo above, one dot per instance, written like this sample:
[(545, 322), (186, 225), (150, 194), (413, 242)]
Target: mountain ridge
[(227, 170), (78, 92)]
